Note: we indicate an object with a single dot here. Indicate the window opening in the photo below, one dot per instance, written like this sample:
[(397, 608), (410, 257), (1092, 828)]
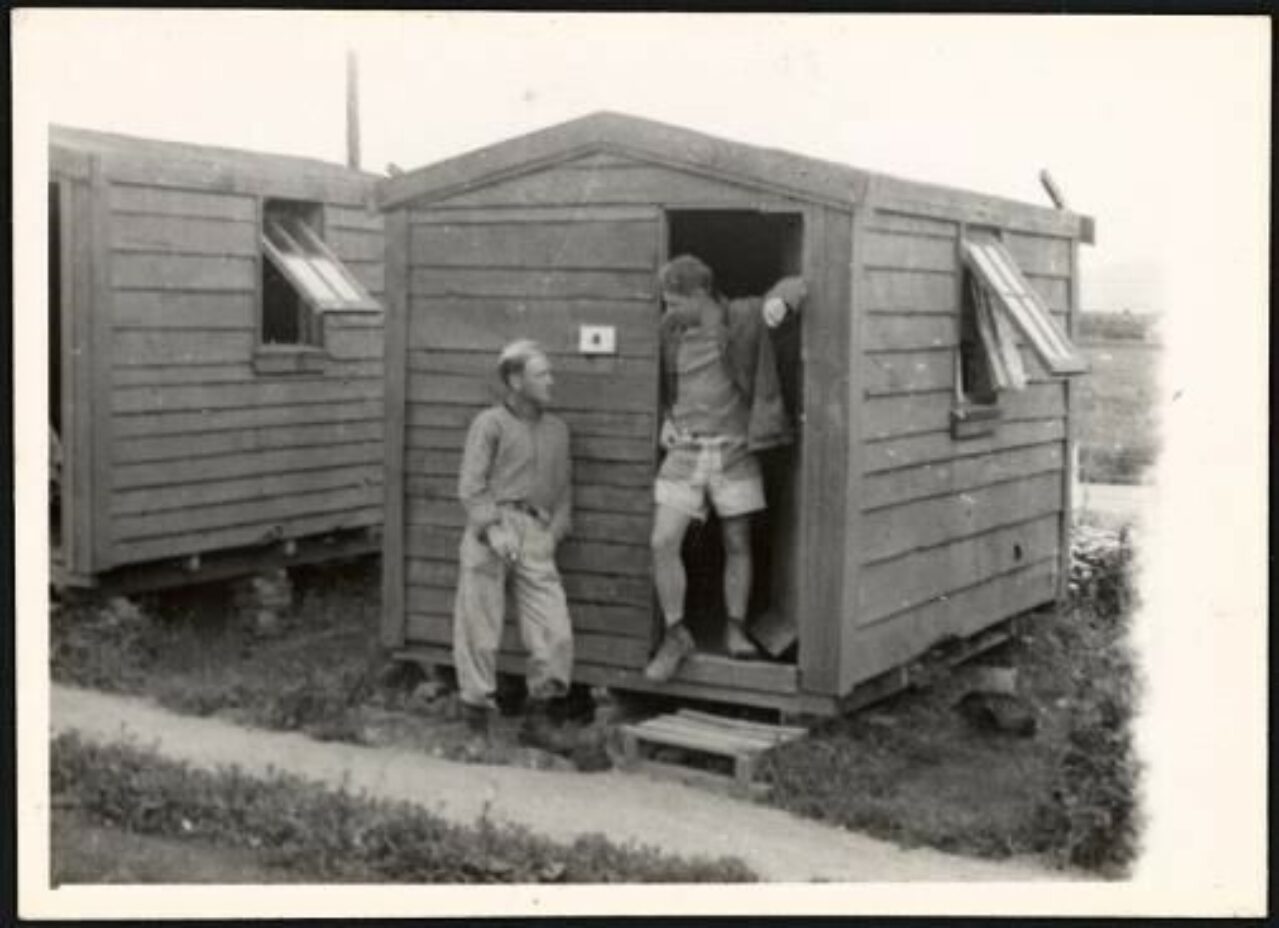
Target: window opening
[(301, 278)]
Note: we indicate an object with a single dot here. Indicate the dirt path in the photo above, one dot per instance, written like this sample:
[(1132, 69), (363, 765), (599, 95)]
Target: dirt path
[(624, 807)]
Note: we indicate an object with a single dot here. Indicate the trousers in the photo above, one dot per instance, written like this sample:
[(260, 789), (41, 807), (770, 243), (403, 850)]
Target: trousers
[(479, 612)]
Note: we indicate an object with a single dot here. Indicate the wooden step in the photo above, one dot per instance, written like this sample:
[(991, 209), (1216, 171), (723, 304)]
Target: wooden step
[(740, 740)]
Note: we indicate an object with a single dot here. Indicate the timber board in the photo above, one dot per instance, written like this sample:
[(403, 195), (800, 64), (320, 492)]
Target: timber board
[(915, 413), (159, 309), (910, 252), (958, 475), (165, 235), (141, 271), (585, 244), (900, 291), (431, 414), (488, 325), (168, 448), (436, 543), (938, 446), (504, 282), (127, 198), (274, 392), (155, 423), (223, 467), (602, 590), (585, 446), (582, 392), (586, 524), (585, 498), (219, 492)]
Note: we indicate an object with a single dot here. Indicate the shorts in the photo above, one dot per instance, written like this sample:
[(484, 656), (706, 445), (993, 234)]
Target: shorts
[(728, 475)]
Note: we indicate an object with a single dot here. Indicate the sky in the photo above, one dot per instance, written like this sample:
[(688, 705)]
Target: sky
[(1124, 112)]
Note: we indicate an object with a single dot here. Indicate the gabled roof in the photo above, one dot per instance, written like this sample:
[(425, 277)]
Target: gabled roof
[(774, 170), (642, 139), (137, 159)]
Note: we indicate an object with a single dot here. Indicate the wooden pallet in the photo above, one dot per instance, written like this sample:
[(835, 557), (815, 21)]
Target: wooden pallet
[(738, 739)]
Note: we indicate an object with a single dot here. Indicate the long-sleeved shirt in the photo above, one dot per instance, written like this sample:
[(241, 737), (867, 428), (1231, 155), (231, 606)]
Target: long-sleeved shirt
[(511, 459)]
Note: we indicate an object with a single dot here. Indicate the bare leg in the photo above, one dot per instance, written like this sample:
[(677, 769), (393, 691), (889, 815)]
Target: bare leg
[(669, 527), (737, 565)]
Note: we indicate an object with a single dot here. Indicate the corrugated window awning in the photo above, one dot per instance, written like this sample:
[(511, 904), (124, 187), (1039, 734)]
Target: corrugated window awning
[(1013, 299), (307, 263)]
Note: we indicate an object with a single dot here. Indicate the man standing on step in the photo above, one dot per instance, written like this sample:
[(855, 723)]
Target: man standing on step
[(721, 402), (516, 486)]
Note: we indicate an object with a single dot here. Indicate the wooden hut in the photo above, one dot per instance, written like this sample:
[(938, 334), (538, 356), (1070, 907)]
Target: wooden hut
[(215, 359), (926, 499)]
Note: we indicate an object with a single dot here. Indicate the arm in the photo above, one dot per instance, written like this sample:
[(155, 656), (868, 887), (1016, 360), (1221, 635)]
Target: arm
[(473, 482), (785, 296)]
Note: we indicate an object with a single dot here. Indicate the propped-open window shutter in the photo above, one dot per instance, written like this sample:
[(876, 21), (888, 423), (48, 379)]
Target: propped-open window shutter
[(314, 271), (334, 272), (1022, 305)]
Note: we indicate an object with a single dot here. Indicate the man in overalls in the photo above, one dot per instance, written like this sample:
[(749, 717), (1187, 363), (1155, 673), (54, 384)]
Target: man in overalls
[(721, 403), (515, 484)]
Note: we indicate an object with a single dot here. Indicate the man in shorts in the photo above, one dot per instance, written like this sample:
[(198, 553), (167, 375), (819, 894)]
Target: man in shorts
[(515, 484), (721, 403)]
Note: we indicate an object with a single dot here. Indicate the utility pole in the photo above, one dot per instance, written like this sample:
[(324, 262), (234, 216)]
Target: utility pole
[(352, 110)]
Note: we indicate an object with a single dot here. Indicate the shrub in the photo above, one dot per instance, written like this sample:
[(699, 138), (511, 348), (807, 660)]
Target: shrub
[(337, 836)]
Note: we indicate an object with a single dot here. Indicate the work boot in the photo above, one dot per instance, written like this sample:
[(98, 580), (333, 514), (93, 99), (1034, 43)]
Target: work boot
[(479, 724), (736, 642), (539, 732), (676, 645)]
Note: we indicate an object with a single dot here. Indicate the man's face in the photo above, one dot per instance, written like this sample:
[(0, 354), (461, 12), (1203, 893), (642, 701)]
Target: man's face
[(536, 381), (682, 308)]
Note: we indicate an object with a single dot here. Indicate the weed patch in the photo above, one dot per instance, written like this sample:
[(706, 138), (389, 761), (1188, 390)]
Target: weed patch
[(337, 836)]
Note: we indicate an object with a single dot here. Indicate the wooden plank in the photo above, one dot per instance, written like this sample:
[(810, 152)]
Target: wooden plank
[(772, 733), (854, 293), (588, 648), (79, 406), (138, 347), (142, 271), (531, 284), (935, 201), (618, 620), (183, 235), (584, 446), (638, 184), (394, 550), (910, 252), (584, 392), (601, 526), (909, 372), (824, 455), (892, 531), (886, 332), (144, 309), (356, 218), (958, 475), (101, 359), (586, 244), (910, 292), (254, 511), (237, 489), (580, 422), (1040, 254), (438, 543), (245, 441), (274, 392), (905, 224), (893, 586), (204, 421), (356, 244), (895, 640), (370, 274), (916, 413), (224, 467), (439, 462), (472, 324), (443, 214), (225, 173), (599, 499), (484, 364), (1070, 413), (579, 587), (353, 344), (894, 453), (128, 198), (245, 535)]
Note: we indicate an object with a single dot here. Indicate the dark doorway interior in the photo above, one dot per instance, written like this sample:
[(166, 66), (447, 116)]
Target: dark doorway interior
[(749, 251)]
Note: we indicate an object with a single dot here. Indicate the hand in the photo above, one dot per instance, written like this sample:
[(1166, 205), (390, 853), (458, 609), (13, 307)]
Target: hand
[(503, 541), (775, 310), (666, 438)]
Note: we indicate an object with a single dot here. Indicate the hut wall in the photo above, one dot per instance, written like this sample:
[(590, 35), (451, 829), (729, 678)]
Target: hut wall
[(205, 453), (539, 255), (952, 535)]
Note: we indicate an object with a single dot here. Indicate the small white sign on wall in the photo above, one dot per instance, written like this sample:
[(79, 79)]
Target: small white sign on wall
[(597, 339)]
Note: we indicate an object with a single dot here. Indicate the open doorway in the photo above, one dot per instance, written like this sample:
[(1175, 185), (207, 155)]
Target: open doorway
[(56, 444), (749, 251)]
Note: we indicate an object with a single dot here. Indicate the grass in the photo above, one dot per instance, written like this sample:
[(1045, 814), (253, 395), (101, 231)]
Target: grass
[(913, 771), (1118, 430), (287, 824)]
